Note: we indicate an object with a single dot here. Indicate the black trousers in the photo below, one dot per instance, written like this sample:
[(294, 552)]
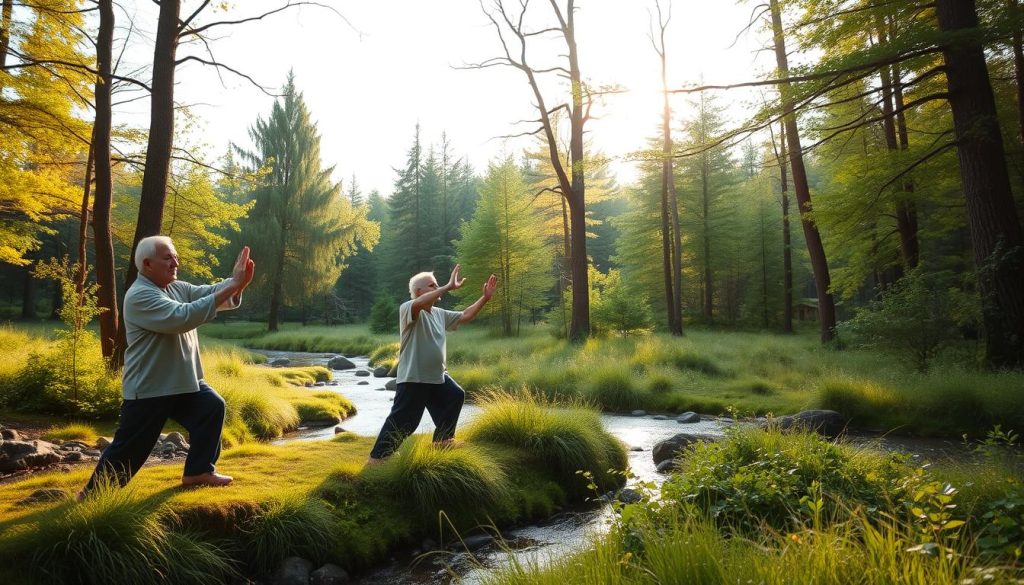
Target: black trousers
[(443, 402), (202, 415)]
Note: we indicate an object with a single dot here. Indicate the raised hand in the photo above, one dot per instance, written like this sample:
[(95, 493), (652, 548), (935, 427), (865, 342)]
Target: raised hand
[(244, 269), (455, 282), (490, 286)]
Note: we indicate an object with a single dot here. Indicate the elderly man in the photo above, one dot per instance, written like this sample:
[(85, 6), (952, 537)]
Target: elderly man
[(423, 380), (163, 377)]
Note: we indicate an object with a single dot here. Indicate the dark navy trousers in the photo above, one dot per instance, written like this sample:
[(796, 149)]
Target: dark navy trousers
[(443, 402), (202, 415)]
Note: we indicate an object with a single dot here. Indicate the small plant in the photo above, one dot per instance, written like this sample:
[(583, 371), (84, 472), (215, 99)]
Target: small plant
[(384, 315)]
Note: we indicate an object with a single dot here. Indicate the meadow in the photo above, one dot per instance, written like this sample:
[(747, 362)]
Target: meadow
[(710, 372)]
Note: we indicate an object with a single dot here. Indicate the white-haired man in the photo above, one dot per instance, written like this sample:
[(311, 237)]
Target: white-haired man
[(423, 380), (163, 377)]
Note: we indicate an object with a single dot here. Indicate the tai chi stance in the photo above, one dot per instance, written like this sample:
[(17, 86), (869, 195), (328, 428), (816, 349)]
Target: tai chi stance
[(423, 380), (163, 377)]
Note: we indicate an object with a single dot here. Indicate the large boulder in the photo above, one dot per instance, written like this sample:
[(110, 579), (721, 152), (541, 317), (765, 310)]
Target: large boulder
[(293, 571), (391, 385), (688, 418), (672, 447), (177, 440), (380, 372), (825, 422), (280, 362), (16, 455), (362, 373), (9, 434), (329, 574), (340, 363)]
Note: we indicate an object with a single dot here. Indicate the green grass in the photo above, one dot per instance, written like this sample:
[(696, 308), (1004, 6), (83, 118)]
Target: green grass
[(312, 499), (71, 432)]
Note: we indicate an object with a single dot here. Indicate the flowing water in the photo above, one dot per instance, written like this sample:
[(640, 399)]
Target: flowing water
[(561, 535)]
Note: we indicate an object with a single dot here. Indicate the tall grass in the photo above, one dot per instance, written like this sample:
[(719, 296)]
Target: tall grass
[(462, 482), (565, 438)]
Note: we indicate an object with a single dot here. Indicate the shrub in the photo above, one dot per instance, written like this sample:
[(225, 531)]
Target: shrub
[(70, 432), (385, 355), (384, 315), (684, 359), (755, 477), (620, 308), (284, 527), (912, 319)]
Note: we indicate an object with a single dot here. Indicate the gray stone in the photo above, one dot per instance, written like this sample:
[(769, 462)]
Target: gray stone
[(280, 362), (340, 363), (332, 382), (688, 418), (320, 384), (16, 455), (825, 422), (339, 430), (322, 422), (10, 435), (308, 384), (380, 372), (362, 373), (91, 452), (628, 496), (177, 440), (639, 412), (72, 456), (667, 466), (45, 495), (659, 417), (391, 385), (329, 574), (293, 571), (636, 448), (672, 447), (362, 383)]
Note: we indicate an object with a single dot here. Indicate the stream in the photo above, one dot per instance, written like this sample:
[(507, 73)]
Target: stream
[(563, 534)]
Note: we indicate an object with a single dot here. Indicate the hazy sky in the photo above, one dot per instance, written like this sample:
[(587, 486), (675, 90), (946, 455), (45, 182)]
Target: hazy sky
[(368, 81)]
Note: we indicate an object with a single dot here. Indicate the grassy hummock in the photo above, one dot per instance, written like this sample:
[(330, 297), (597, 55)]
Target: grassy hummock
[(313, 499)]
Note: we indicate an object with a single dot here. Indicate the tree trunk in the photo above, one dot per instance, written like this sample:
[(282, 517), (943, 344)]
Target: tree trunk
[(815, 248), (709, 292), (669, 251), (158, 150), (5, 31), (906, 209), (28, 295), (991, 214), (106, 276), (83, 222), (787, 244), (579, 330)]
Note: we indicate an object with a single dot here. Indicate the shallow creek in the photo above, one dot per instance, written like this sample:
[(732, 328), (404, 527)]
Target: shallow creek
[(556, 537)]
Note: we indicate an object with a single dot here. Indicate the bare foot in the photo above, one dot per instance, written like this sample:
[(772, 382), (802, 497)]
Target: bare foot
[(207, 479)]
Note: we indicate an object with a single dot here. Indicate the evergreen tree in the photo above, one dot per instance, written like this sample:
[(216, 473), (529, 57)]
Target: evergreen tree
[(501, 238), (301, 227)]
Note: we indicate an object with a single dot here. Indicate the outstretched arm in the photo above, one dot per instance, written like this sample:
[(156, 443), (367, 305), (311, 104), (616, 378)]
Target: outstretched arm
[(426, 299), (470, 312)]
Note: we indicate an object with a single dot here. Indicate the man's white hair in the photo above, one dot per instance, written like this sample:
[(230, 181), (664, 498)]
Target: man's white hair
[(147, 248), (416, 280)]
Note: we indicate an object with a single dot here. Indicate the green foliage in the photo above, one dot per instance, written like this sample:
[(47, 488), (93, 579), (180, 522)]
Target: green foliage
[(913, 319), (385, 355), (621, 307), (613, 389), (384, 315), (502, 238), (284, 527), (786, 481), (300, 227), (71, 432)]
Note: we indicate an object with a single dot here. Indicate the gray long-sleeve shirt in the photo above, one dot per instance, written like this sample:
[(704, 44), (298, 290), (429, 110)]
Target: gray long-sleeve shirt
[(162, 357)]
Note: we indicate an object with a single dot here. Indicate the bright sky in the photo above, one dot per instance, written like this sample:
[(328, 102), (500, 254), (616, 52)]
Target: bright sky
[(367, 84)]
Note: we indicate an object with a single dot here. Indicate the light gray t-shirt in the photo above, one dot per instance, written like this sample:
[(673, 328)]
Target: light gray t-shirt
[(162, 357), (422, 351)]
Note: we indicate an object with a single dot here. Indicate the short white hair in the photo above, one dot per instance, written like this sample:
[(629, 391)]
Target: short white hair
[(415, 281), (147, 248)]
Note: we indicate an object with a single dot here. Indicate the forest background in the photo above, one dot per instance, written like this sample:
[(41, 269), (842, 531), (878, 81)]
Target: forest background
[(902, 122)]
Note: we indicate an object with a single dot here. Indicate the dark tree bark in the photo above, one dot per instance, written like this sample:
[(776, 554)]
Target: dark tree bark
[(815, 248), (670, 250), (106, 277), (83, 222), (787, 243), (709, 291), (28, 295), (992, 217), (158, 150)]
